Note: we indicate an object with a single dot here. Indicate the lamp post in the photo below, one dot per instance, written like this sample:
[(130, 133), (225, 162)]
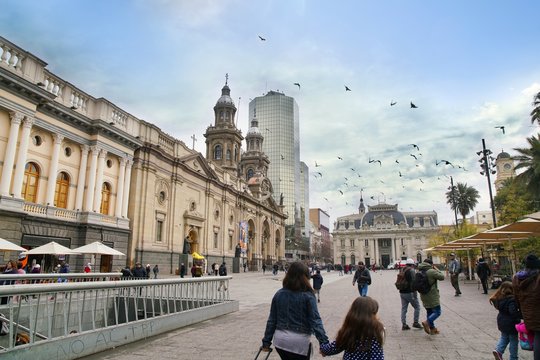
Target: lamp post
[(487, 165), (453, 190)]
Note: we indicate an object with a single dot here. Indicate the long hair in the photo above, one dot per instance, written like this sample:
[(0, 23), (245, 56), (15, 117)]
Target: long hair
[(297, 278), (360, 326), (504, 291)]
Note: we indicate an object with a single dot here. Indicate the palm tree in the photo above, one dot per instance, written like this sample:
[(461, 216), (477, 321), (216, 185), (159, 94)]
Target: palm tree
[(535, 113), (462, 198), (529, 159)]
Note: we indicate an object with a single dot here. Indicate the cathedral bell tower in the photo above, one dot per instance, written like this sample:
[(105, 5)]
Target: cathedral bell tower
[(254, 160), (223, 139), (505, 169)]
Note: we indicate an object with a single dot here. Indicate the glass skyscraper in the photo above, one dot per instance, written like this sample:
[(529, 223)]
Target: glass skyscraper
[(279, 124)]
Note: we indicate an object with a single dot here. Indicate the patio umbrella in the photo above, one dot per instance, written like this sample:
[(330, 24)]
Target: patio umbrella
[(52, 248), (9, 246), (98, 248)]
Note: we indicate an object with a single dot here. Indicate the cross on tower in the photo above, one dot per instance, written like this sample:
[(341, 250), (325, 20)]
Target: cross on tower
[(194, 139), (226, 78)]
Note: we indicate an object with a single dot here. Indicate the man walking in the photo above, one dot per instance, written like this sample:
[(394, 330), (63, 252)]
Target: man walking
[(222, 272), (409, 296), (454, 269), (431, 298), (317, 284), (363, 278), (483, 271)]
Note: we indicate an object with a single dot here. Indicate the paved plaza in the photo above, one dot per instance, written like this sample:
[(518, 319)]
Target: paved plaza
[(468, 324)]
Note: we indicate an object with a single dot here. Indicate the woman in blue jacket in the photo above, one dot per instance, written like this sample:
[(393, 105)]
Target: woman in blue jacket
[(294, 317)]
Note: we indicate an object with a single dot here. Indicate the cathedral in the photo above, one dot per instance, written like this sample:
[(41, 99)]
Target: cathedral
[(382, 235), (77, 169)]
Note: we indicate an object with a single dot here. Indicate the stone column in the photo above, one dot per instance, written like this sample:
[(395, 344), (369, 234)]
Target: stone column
[(21, 158), (127, 184), (120, 191), (82, 177), (393, 249), (88, 204), (9, 157), (53, 168), (375, 255), (99, 181)]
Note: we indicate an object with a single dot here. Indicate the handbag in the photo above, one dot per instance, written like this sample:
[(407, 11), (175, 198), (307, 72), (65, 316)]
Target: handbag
[(526, 337)]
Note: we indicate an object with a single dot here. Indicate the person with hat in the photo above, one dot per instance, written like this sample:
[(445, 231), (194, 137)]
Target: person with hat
[(409, 296), (432, 299), (526, 285), (454, 268), (138, 271)]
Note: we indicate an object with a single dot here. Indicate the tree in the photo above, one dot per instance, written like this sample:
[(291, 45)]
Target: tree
[(535, 113), (462, 198), (512, 202), (529, 159)]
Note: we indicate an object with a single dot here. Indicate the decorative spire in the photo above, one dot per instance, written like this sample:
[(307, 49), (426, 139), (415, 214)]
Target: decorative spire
[(226, 78)]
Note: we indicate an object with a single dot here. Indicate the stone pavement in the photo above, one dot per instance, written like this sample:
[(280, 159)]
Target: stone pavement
[(467, 324)]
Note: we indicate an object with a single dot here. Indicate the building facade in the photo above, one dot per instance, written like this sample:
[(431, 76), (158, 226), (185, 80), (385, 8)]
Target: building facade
[(382, 235), (77, 169), (321, 243)]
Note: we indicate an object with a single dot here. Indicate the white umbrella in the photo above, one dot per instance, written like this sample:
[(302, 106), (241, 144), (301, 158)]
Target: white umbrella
[(97, 248), (9, 246), (52, 248)]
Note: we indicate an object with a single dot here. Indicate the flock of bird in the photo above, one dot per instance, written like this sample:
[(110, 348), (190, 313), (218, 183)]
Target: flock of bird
[(403, 170)]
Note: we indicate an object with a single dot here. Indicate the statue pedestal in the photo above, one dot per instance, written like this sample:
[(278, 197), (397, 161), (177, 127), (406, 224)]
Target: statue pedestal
[(187, 259), (236, 265)]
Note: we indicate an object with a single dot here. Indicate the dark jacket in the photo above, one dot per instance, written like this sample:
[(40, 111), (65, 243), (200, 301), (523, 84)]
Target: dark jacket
[(483, 270), (409, 276), (508, 316), (432, 298), (317, 281), (362, 277), (222, 270), (527, 291), (295, 311), (139, 272)]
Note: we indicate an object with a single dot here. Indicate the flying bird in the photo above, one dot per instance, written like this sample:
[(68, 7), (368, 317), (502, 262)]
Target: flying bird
[(500, 127), (347, 88), (341, 192), (317, 165), (414, 156), (422, 181), (400, 174), (372, 197), (267, 129), (340, 158), (446, 162), (415, 146), (325, 199), (397, 162), (392, 103), (413, 106), (346, 179), (297, 84), (262, 39), (320, 173), (282, 157), (353, 169)]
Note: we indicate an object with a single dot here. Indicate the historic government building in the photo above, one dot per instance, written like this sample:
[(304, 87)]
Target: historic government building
[(382, 235), (75, 169)]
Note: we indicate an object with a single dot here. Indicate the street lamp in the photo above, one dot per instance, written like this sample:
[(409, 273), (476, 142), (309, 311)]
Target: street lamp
[(487, 164)]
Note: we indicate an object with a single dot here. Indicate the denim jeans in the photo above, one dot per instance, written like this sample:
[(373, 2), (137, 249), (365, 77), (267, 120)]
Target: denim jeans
[(406, 299), (506, 339), (432, 315), (362, 289)]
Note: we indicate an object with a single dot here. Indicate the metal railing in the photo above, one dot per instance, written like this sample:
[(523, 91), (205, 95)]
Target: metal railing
[(44, 310)]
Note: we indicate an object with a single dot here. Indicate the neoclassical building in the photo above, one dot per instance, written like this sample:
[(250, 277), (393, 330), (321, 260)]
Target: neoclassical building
[(382, 235), (76, 169)]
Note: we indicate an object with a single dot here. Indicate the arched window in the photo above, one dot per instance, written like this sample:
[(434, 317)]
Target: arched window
[(61, 192), (105, 198), (228, 156), (227, 115), (343, 260), (353, 259), (235, 153), (250, 174), (221, 114), (217, 152), (30, 182)]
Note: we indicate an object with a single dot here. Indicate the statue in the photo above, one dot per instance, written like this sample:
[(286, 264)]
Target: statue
[(187, 246), (237, 250), (281, 199)]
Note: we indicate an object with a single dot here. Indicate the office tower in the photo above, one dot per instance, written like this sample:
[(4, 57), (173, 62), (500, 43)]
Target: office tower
[(279, 123)]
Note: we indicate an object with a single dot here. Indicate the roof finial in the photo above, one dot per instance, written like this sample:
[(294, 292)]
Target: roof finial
[(226, 78)]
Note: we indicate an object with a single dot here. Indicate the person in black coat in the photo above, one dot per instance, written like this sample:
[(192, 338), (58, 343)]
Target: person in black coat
[(507, 318), (484, 272), (317, 284), (138, 271)]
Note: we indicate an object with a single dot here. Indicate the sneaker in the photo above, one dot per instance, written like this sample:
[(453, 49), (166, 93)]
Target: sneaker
[(425, 325), (435, 331), (417, 325), (405, 327), (497, 355)]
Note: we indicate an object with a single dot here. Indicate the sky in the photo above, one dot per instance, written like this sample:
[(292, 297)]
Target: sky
[(468, 66)]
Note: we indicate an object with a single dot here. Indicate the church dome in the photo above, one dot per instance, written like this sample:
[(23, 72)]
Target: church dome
[(383, 211), (503, 155), (225, 98)]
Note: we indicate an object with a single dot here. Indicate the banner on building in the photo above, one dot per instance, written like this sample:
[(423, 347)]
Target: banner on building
[(243, 240)]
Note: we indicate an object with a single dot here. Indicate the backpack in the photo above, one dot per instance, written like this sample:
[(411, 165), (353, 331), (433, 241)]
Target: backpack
[(526, 338), (401, 280), (222, 271), (421, 282)]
